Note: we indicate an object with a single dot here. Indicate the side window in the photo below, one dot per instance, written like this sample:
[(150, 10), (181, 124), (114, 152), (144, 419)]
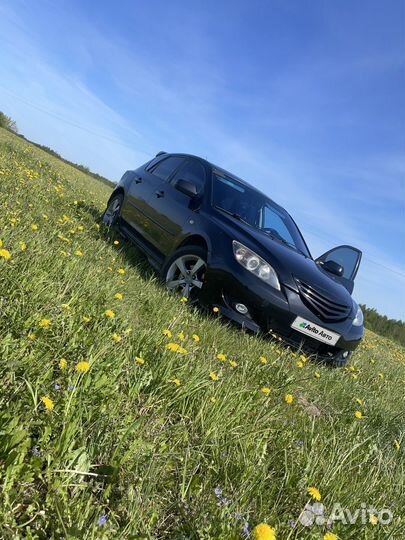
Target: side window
[(193, 171), (346, 257), (164, 169), (151, 164)]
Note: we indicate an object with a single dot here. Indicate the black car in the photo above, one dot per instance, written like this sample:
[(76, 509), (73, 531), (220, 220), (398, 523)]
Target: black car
[(221, 242)]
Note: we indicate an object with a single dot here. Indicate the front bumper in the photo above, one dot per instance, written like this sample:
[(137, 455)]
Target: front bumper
[(271, 311)]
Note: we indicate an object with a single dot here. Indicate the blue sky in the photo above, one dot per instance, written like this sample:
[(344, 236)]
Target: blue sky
[(304, 99)]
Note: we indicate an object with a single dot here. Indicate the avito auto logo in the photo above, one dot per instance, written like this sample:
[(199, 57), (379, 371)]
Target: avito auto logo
[(312, 328)]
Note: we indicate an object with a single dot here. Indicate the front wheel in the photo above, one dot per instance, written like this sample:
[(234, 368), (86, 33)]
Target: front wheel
[(184, 272), (340, 360), (112, 213)]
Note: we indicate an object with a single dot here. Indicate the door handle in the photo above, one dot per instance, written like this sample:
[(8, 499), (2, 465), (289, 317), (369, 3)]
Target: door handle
[(138, 180), (159, 193)]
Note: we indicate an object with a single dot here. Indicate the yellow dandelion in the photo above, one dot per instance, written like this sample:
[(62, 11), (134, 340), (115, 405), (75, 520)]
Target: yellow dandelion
[(79, 253), (119, 296), (110, 314), (263, 360), (289, 398), (86, 319), (314, 493), (116, 338), (174, 347), (182, 350), (317, 375), (34, 227), (181, 336), (167, 333), (23, 246), (175, 381), (45, 323), (183, 299), (63, 363), (215, 309), (48, 403), (373, 519), (139, 360), (397, 444), (300, 364), (303, 358), (265, 390), (358, 415), (214, 376), (264, 532), (121, 271), (5, 254), (82, 367), (233, 364), (359, 402), (196, 338), (221, 357), (330, 536)]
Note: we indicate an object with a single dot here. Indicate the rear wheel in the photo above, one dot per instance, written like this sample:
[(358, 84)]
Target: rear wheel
[(112, 213), (184, 272)]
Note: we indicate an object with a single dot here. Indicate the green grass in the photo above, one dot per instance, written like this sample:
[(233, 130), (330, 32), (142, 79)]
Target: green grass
[(124, 442)]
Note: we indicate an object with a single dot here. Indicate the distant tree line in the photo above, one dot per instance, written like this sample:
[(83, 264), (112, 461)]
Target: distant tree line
[(380, 324), (7, 123)]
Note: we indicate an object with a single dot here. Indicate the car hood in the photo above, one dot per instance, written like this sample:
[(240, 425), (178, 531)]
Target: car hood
[(290, 265)]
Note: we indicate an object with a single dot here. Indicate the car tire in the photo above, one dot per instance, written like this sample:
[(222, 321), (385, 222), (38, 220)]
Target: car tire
[(113, 210), (339, 361), (184, 271)]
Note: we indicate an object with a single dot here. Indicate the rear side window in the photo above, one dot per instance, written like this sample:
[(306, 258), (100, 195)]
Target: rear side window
[(164, 169), (193, 171)]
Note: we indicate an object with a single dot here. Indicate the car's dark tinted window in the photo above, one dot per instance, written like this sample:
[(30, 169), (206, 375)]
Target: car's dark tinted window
[(193, 171), (152, 163), (166, 168), (346, 257), (249, 205)]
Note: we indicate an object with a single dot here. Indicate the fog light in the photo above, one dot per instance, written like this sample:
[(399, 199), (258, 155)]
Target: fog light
[(241, 308)]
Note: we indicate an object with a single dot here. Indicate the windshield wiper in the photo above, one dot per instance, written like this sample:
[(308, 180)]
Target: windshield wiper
[(234, 215), (286, 242)]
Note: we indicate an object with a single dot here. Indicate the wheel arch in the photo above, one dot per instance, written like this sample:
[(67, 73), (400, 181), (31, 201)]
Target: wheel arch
[(115, 192), (196, 240)]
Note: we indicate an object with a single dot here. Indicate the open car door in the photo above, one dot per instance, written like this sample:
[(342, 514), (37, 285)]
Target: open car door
[(348, 258)]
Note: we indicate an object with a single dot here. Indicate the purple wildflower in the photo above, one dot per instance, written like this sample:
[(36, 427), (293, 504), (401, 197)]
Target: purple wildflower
[(102, 520)]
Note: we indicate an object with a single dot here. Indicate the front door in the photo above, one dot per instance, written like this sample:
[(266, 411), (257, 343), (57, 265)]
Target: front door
[(349, 258), (169, 209)]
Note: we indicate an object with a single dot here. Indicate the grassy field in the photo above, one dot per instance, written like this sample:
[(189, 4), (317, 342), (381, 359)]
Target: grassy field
[(108, 431)]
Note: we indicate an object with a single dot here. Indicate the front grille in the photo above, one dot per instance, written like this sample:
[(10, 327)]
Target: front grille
[(326, 309)]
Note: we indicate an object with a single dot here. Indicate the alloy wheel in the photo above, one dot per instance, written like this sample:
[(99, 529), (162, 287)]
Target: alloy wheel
[(186, 275), (112, 212)]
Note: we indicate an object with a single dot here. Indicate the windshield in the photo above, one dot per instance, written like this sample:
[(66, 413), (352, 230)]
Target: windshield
[(248, 205)]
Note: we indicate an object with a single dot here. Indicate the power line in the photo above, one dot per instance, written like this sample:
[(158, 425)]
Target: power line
[(66, 121)]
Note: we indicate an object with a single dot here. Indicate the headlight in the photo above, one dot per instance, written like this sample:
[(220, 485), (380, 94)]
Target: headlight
[(359, 318), (255, 264)]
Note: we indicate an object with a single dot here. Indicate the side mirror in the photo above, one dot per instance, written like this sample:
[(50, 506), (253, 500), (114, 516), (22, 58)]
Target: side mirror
[(333, 267), (186, 187)]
